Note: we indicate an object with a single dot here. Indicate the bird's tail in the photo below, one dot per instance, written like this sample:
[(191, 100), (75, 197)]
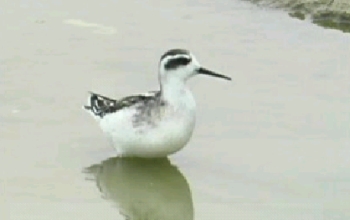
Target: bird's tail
[(98, 105)]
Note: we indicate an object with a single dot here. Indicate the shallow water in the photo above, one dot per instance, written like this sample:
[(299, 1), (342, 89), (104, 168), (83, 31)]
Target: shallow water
[(273, 144)]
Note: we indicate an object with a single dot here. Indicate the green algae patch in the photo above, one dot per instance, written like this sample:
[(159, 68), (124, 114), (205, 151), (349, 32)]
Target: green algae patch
[(331, 14), (332, 20)]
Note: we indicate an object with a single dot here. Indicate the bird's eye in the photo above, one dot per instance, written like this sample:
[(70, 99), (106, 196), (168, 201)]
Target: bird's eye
[(177, 62)]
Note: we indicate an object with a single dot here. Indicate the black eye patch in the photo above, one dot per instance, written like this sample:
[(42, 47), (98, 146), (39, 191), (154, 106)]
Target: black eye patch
[(177, 62)]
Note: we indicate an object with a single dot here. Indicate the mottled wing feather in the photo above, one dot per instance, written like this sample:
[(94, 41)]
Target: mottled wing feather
[(101, 105)]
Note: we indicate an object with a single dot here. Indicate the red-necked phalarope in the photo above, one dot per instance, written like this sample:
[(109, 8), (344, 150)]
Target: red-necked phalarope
[(154, 124)]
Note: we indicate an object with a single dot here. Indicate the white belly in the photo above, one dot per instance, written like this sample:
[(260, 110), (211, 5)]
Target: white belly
[(168, 136)]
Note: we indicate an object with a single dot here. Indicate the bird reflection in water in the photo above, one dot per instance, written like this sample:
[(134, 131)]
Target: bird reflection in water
[(147, 189)]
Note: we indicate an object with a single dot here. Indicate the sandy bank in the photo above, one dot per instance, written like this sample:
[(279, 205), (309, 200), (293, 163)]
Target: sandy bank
[(333, 14)]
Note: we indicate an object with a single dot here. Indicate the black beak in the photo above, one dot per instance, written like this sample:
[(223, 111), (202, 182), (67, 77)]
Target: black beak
[(205, 71)]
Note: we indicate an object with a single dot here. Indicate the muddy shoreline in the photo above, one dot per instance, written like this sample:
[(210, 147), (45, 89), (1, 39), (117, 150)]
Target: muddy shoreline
[(333, 14)]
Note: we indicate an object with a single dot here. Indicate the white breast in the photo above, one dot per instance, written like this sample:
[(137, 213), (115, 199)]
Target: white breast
[(173, 131), (169, 134)]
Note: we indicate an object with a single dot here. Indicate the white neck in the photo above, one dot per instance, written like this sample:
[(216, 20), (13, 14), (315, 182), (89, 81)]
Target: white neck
[(175, 92), (173, 89)]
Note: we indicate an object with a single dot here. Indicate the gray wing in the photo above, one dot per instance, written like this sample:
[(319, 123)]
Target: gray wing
[(101, 105)]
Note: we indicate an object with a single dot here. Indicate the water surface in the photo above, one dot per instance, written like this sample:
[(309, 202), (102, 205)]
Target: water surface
[(273, 144)]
